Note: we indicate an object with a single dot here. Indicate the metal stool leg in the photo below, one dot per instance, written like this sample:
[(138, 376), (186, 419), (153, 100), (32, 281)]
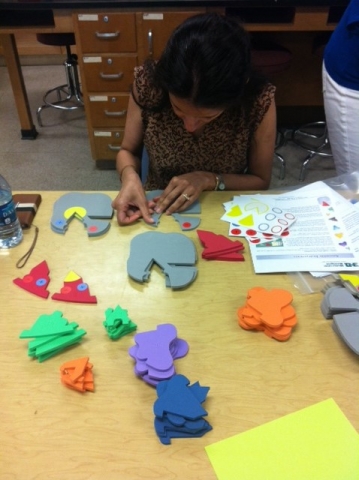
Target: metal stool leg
[(71, 91)]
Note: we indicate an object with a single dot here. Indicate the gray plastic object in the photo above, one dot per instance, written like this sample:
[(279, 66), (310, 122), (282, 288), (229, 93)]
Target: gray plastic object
[(97, 207), (174, 253)]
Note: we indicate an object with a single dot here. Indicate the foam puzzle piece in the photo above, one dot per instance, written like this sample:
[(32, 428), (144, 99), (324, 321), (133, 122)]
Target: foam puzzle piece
[(154, 352), (268, 311), (174, 253), (93, 209), (74, 290), (219, 247), (36, 281), (51, 334), (77, 374), (178, 410), (186, 222), (338, 300), (346, 325), (117, 323)]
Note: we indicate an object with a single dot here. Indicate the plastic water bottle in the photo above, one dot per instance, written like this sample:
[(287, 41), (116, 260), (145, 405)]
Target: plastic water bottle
[(10, 228)]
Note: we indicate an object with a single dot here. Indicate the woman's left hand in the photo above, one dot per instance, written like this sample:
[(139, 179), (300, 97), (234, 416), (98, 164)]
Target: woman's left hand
[(182, 191)]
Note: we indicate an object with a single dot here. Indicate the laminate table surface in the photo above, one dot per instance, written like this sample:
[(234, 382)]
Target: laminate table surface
[(48, 431)]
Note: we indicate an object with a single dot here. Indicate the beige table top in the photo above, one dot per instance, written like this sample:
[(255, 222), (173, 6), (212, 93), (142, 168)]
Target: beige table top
[(48, 431)]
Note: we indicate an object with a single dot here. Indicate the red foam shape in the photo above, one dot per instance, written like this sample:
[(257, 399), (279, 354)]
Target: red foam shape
[(71, 292), (229, 257), (36, 281), (215, 245)]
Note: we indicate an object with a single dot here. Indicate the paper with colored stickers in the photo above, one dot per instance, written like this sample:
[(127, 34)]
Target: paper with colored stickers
[(315, 443), (324, 237)]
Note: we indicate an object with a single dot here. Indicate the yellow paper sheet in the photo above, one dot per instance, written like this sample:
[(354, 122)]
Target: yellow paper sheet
[(316, 443)]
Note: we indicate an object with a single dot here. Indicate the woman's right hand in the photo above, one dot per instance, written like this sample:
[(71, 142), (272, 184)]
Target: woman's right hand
[(131, 203)]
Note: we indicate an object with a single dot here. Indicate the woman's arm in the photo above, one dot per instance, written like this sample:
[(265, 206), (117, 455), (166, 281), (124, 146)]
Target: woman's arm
[(131, 203)]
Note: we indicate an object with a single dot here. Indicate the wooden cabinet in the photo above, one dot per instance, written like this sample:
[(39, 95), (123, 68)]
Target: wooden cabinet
[(109, 46)]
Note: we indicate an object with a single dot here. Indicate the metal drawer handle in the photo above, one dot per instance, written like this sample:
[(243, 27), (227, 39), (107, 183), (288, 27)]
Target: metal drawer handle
[(106, 36), (115, 114), (111, 76), (114, 148), (150, 43)]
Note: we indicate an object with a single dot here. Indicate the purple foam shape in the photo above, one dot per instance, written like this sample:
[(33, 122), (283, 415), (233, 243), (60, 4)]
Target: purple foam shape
[(154, 346)]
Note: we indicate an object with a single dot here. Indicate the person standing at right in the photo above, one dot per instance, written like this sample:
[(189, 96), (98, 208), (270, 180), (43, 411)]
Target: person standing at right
[(341, 90)]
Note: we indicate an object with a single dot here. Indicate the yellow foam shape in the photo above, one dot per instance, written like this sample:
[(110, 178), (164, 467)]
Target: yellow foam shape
[(72, 277), (339, 235), (353, 279), (247, 221), (235, 211), (78, 212)]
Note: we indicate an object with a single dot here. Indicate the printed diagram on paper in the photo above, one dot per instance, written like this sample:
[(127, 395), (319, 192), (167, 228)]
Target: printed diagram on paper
[(322, 235)]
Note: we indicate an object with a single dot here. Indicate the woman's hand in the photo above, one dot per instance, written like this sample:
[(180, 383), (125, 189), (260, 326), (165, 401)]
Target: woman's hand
[(131, 203), (183, 190)]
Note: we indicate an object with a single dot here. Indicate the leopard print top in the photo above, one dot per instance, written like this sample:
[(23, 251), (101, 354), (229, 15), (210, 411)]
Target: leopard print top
[(222, 147)]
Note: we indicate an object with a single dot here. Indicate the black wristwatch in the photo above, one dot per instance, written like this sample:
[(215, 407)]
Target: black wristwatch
[(220, 185)]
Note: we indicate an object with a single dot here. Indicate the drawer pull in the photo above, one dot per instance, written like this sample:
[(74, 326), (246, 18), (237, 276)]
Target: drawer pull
[(115, 114), (114, 148), (106, 36), (150, 43), (111, 76)]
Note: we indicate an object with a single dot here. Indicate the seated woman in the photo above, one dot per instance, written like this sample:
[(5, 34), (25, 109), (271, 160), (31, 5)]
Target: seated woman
[(207, 121)]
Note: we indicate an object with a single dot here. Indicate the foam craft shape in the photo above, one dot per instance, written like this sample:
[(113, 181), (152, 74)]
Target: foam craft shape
[(77, 374), (269, 304), (186, 222), (338, 300), (178, 410), (155, 351), (94, 210), (280, 316), (219, 247), (51, 334), (74, 290), (36, 281), (315, 443), (174, 253), (117, 323), (346, 325)]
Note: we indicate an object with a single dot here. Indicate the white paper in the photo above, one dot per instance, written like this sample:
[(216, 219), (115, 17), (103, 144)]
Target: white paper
[(324, 238)]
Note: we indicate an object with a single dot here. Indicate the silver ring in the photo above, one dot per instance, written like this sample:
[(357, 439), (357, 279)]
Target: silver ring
[(185, 196)]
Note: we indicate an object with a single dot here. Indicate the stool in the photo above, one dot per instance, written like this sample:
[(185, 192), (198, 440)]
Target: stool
[(313, 137), (272, 59), (67, 96)]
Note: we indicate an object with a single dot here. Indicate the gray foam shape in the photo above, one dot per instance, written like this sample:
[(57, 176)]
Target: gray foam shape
[(97, 206), (339, 300), (173, 252), (346, 325), (182, 219)]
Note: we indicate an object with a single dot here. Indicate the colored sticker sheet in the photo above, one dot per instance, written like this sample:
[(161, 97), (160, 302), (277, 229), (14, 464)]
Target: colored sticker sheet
[(324, 237), (316, 443)]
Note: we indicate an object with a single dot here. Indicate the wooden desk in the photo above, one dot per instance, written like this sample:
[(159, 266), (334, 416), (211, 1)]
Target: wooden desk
[(50, 432)]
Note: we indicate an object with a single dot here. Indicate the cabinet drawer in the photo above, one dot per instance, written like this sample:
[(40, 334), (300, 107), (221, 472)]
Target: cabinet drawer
[(107, 143), (108, 110), (112, 33), (109, 73)]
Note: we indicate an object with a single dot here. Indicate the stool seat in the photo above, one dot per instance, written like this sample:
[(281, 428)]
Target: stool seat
[(67, 96), (56, 39)]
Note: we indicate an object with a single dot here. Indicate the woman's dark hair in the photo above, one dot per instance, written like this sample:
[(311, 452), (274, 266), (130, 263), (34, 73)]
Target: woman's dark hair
[(206, 61)]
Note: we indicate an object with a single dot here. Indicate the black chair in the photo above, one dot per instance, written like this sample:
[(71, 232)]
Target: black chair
[(67, 96)]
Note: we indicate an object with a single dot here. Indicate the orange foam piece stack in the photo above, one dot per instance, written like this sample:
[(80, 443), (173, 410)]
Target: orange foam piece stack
[(77, 374), (268, 311)]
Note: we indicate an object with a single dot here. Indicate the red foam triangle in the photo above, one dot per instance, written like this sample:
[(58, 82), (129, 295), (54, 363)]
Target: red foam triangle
[(36, 280)]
